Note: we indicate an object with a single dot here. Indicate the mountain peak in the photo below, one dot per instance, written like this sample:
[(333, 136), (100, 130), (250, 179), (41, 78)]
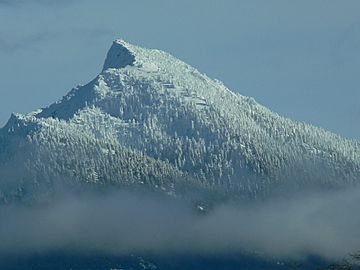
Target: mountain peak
[(149, 116), (120, 55)]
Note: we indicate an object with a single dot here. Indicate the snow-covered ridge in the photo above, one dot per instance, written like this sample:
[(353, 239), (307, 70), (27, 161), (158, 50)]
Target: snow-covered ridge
[(20, 123)]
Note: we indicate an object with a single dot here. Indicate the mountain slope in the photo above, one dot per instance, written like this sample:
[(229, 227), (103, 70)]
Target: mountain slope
[(150, 119)]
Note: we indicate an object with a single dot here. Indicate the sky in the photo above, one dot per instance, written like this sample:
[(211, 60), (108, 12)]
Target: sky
[(299, 58)]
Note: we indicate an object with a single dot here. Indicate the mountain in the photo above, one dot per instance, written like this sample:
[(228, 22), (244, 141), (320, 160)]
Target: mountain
[(150, 120)]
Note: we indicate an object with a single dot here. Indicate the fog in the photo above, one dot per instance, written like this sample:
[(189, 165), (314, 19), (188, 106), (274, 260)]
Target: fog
[(124, 222)]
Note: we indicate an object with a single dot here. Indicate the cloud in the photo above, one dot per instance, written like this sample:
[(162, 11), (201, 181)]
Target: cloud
[(122, 223), (19, 3), (26, 42), (31, 41)]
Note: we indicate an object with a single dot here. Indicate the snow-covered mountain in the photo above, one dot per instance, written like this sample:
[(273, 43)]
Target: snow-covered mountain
[(149, 119)]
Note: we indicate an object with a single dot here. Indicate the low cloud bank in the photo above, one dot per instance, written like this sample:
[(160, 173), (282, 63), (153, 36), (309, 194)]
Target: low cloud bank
[(319, 224)]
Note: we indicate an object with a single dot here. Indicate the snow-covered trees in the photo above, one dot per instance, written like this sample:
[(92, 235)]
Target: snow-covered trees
[(158, 119)]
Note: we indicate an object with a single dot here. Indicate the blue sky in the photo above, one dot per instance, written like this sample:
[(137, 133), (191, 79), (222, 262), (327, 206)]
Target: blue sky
[(299, 58)]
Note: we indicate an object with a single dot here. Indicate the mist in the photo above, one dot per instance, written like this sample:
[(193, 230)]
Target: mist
[(323, 224)]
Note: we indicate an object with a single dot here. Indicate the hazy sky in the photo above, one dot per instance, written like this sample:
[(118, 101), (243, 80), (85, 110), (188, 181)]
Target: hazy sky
[(299, 58)]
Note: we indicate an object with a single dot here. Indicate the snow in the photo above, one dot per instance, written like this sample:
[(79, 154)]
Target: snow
[(173, 120)]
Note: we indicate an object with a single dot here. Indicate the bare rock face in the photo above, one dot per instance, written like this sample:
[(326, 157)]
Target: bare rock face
[(120, 55)]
